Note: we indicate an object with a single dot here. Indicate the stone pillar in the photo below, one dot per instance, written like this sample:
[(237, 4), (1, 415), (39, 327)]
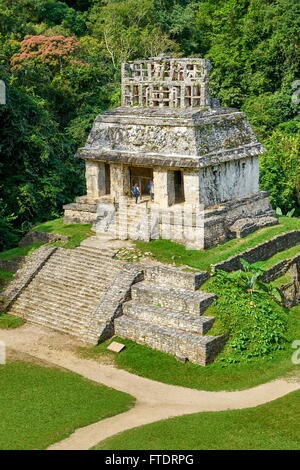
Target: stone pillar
[(164, 189), (95, 179), (119, 180), (191, 184)]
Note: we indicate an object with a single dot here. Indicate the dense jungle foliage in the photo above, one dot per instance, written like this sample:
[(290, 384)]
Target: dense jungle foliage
[(61, 64)]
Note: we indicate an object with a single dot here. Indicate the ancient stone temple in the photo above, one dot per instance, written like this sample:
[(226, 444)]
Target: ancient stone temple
[(199, 159)]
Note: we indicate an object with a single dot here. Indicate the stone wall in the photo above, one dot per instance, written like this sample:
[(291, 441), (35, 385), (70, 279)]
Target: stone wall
[(186, 223), (42, 237), (164, 190), (191, 184), (261, 252), (80, 213), (26, 273), (291, 291), (95, 179), (237, 218), (229, 180), (166, 275), (11, 265), (119, 180), (102, 324), (166, 313), (280, 268)]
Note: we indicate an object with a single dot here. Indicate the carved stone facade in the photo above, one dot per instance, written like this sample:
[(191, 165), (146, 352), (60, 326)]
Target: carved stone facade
[(170, 134), (166, 82)]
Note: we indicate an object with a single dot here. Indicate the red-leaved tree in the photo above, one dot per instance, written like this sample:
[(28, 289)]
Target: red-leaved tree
[(56, 51)]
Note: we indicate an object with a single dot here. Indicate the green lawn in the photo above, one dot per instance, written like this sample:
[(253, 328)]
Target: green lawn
[(20, 251), (169, 252), (286, 254), (273, 426), (42, 405), (76, 232), (143, 361), (5, 276), (284, 279), (9, 321)]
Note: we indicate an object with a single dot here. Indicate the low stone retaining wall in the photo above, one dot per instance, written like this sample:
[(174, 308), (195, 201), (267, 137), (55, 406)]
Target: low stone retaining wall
[(43, 237), (261, 252), (11, 265), (26, 273), (80, 213), (280, 268), (110, 307), (290, 293)]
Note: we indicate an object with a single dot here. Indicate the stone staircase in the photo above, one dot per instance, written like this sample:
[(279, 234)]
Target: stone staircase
[(166, 313), (66, 291), (85, 293)]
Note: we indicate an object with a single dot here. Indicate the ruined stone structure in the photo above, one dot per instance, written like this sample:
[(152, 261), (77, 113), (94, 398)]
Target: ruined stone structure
[(89, 295), (201, 158)]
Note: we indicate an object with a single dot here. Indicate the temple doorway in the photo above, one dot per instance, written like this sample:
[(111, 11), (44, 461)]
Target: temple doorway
[(107, 178), (141, 176), (178, 185)]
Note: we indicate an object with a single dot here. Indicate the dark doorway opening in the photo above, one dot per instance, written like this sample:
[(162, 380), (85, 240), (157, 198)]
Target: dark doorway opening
[(107, 178), (142, 177), (178, 184)]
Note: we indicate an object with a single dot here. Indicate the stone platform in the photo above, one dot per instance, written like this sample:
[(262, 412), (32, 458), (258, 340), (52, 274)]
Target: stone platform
[(182, 223)]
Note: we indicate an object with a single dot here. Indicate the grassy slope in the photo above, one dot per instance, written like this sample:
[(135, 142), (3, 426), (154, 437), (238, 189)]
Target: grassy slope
[(5, 276), (19, 251), (169, 252), (76, 232), (290, 253), (275, 425), (44, 405), (144, 361), (9, 321)]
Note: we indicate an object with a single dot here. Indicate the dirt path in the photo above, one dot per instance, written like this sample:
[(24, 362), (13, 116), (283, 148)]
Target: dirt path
[(154, 400)]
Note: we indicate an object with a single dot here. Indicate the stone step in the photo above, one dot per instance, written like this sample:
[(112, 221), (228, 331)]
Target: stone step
[(96, 260), (85, 270), (61, 285), (88, 250), (52, 310), (76, 282), (56, 319), (55, 295), (169, 276), (69, 297), (215, 212), (61, 327), (61, 271), (169, 318), (76, 272), (85, 262), (179, 300), (199, 349), (34, 310), (49, 309)]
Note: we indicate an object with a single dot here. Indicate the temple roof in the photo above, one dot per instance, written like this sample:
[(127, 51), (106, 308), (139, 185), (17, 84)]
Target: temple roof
[(171, 137)]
